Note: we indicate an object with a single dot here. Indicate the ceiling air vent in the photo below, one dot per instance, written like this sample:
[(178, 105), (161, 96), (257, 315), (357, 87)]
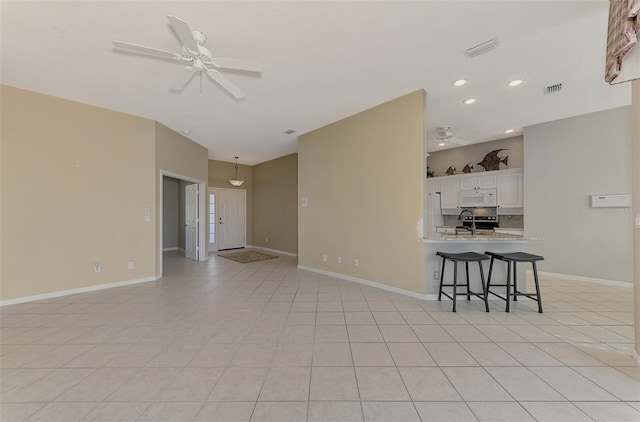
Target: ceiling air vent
[(485, 47), (289, 131), (552, 89)]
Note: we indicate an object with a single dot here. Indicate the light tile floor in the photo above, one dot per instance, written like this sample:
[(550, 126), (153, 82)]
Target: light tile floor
[(223, 341)]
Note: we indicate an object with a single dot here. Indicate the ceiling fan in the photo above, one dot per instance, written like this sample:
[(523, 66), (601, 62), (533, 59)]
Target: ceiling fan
[(445, 137), (199, 60)]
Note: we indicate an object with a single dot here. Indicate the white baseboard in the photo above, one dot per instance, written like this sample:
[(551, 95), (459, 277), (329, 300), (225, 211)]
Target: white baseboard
[(369, 283), (580, 278), (59, 293), (169, 249), (272, 250)]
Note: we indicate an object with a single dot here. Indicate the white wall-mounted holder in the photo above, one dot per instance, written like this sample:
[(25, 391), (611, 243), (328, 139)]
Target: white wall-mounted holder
[(611, 201)]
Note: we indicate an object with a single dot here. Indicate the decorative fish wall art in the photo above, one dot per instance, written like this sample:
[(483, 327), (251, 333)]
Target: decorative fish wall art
[(450, 171), (491, 161), (467, 168)]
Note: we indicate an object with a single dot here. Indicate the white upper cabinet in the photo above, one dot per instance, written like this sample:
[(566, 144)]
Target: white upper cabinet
[(472, 182), (450, 198), (433, 185), (508, 185), (510, 191)]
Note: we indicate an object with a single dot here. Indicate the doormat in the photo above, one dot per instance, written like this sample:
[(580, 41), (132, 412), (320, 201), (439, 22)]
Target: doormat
[(248, 256)]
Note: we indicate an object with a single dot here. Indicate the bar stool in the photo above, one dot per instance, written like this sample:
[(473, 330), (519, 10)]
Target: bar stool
[(514, 258), (465, 257)]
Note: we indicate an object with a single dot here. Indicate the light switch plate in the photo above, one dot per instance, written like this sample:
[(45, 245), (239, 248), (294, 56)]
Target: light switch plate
[(304, 202)]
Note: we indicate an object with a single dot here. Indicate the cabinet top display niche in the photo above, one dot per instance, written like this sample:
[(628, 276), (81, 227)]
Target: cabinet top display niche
[(481, 157)]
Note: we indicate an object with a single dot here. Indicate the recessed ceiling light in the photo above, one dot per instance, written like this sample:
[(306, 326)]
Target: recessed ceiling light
[(459, 82), (509, 130), (441, 144), (515, 82), (186, 131), (469, 101)]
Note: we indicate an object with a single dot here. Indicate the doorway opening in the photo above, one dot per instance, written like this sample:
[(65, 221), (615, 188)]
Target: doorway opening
[(182, 221), (227, 219)]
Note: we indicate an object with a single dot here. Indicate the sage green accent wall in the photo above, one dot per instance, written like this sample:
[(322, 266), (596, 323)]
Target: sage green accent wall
[(170, 222), (567, 161), (275, 199), (76, 180), (363, 178), (439, 161), (219, 174)]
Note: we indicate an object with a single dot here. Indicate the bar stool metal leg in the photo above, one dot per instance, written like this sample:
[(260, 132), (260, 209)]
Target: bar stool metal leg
[(535, 277), (490, 271), (455, 283), (484, 288), (515, 282), (466, 264), (441, 279), (508, 284)]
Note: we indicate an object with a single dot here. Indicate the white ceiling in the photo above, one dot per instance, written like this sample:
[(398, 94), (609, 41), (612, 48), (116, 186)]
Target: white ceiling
[(322, 61)]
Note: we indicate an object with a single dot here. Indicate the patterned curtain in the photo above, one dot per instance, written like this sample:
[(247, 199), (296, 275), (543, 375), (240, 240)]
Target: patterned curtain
[(623, 34)]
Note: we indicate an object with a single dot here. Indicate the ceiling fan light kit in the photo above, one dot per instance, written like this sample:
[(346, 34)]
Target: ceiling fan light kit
[(445, 137), (198, 59)]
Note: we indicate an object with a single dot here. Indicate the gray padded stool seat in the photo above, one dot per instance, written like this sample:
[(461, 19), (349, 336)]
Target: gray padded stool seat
[(514, 258), (465, 257)]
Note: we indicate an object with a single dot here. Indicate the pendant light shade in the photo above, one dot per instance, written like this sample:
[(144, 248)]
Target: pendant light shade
[(236, 180)]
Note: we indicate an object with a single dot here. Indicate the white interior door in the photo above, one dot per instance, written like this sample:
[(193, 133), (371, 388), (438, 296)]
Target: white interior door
[(231, 218), (191, 222), (213, 220)]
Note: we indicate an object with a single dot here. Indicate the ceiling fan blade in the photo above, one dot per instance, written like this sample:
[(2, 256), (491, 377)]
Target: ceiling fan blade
[(182, 78), (237, 64), (184, 33), (143, 49), (225, 83)]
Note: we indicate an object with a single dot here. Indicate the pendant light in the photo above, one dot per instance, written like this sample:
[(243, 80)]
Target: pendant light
[(236, 181)]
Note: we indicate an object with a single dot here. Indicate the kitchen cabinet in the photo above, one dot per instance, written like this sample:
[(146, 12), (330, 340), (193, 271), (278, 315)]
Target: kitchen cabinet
[(433, 185), (510, 190), (477, 182), (450, 198)]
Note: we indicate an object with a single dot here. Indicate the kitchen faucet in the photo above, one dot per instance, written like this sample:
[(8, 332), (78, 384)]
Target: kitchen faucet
[(473, 220)]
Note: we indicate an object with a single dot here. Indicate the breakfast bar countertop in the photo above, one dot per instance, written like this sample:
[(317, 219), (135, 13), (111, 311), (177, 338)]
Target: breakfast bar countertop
[(477, 238)]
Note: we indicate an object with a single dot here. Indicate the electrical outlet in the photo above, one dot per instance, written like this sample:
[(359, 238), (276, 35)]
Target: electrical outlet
[(131, 265), (436, 275), (266, 240), (356, 262), (97, 267), (324, 258), (339, 260)]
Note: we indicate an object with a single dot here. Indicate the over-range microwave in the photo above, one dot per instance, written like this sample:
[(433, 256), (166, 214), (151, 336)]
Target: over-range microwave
[(478, 198)]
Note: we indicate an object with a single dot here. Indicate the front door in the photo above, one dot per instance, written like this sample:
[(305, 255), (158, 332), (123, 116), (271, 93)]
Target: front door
[(231, 218), (191, 222)]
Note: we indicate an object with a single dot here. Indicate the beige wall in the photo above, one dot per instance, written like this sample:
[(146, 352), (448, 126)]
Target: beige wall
[(76, 180), (219, 174), (275, 199), (440, 161), (363, 177), (567, 161), (181, 156)]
